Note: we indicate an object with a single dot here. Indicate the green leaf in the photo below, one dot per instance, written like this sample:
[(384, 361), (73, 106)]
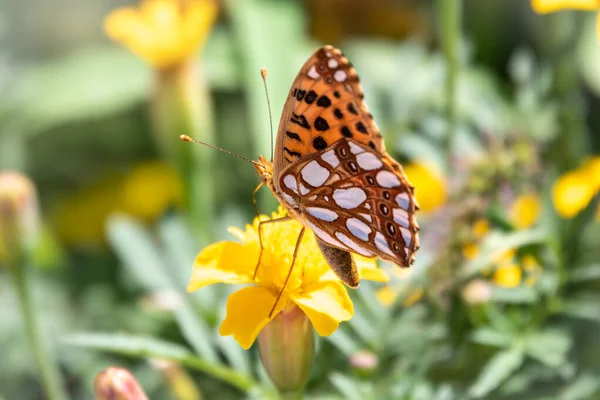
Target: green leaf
[(584, 274), (147, 347), (582, 307), (500, 367), (137, 250), (549, 347), (491, 337), (584, 387), (347, 387), (521, 294), (498, 243), (87, 84)]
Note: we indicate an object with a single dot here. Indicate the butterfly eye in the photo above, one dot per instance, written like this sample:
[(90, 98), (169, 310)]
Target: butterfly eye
[(386, 195), (321, 67), (370, 180), (352, 166), (343, 152)]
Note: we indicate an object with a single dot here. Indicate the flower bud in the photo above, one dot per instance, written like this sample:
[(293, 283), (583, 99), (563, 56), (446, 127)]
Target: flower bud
[(477, 291), (364, 362), (18, 216), (116, 383), (287, 349)]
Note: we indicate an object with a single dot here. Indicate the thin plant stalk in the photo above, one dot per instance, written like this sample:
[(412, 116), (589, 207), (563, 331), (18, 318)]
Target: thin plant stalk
[(49, 371), (450, 21)]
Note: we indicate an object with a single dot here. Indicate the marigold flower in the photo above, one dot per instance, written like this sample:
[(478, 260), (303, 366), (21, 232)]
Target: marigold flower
[(163, 32), (508, 275), (430, 187), (150, 189), (549, 6), (572, 192), (525, 210), (312, 286)]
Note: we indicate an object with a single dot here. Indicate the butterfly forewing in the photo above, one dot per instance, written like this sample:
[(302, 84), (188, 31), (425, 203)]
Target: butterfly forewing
[(355, 200), (324, 105)]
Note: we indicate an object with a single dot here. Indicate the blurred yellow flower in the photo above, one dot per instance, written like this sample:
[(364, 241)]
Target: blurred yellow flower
[(470, 251), (532, 269), (163, 32), (508, 275), (150, 189), (525, 211), (386, 295), (415, 296), (480, 228), (430, 187), (574, 190), (549, 6), (80, 218), (312, 286)]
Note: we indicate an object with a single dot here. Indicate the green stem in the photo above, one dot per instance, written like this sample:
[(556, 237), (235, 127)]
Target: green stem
[(48, 369), (291, 395), (450, 19), (225, 374)]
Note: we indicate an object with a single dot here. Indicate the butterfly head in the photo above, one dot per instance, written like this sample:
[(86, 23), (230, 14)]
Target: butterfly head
[(264, 169)]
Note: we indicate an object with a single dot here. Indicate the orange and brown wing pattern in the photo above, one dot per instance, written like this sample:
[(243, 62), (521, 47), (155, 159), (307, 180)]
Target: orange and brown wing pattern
[(325, 104), (354, 200)]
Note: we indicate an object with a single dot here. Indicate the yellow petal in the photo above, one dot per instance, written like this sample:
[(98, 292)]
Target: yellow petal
[(248, 312), (591, 167), (470, 251), (163, 32), (326, 304), (525, 211), (386, 295), (548, 6), (368, 270), (223, 262), (508, 276), (571, 193), (430, 187), (480, 228)]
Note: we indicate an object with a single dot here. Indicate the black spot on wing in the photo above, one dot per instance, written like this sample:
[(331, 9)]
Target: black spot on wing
[(346, 132), (292, 153), (319, 143), (338, 113), (293, 135), (321, 124), (352, 109), (300, 120), (336, 94), (361, 127), (324, 101), (310, 97)]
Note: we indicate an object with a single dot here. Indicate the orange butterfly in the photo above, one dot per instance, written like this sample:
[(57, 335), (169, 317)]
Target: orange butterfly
[(332, 174)]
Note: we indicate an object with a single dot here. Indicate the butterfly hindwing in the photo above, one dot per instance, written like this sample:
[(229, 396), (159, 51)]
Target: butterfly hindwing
[(354, 199)]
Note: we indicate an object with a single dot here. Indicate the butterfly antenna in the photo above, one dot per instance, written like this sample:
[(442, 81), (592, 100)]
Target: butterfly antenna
[(263, 73), (186, 138)]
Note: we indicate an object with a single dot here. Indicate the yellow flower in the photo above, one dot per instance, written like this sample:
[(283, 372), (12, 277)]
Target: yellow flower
[(163, 32), (572, 192), (386, 295), (549, 6), (508, 275), (532, 269), (150, 189), (312, 286), (413, 297), (525, 210), (480, 228), (470, 251), (430, 187)]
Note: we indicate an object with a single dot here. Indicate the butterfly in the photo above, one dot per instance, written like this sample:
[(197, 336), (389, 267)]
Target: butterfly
[(331, 172)]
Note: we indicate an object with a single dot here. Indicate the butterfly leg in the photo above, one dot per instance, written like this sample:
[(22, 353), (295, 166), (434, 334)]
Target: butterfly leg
[(289, 274), (260, 224)]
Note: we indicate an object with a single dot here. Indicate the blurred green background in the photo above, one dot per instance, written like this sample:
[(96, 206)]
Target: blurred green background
[(494, 111)]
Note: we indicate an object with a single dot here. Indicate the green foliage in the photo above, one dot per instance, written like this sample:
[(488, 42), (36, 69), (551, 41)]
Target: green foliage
[(73, 118)]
